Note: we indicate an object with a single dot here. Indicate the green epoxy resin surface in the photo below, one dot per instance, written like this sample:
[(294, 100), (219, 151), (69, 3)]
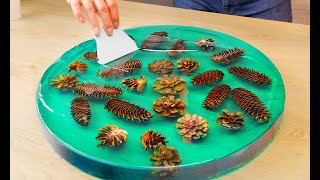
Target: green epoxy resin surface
[(54, 105)]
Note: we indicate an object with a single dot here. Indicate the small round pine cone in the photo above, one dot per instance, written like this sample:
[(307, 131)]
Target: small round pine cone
[(64, 82), (230, 120), (228, 56), (188, 65), (192, 127), (208, 77), (206, 43), (151, 140), (169, 84), (77, 66), (112, 136), (163, 66), (168, 106)]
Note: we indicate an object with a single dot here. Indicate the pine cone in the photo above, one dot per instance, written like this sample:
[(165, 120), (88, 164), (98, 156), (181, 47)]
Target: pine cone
[(206, 43), (154, 39), (251, 104), (113, 136), (151, 140), (80, 110), (232, 120), (169, 84), (92, 56), (208, 77), (188, 65), (178, 45), (168, 106), (64, 82), (227, 56), (165, 156), (192, 127), (77, 66), (133, 83), (216, 96), (127, 110), (161, 66), (120, 69), (251, 75), (97, 90)]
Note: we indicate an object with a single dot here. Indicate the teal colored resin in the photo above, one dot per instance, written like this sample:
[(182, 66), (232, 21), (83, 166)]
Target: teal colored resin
[(54, 105)]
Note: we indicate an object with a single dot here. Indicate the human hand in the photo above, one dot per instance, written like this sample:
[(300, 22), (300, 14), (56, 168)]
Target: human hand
[(106, 9)]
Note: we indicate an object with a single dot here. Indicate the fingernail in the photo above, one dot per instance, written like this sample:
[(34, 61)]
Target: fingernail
[(109, 31), (115, 25), (81, 19), (96, 30)]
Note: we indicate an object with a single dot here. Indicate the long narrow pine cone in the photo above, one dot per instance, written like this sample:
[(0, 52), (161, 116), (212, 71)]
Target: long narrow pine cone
[(154, 39), (216, 96), (133, 83), (97, 90), (64, 82), (230, 120), (251, 104), (127, 110), (80, 110), (77, 66), (228, 56), (92, 56), (178, 45), (250, 74), (111, 136), (120, 69), (207, 77), (151, 140)]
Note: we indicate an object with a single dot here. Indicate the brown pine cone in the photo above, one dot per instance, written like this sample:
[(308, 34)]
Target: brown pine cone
[(188, 65), (178, 45), (80, 110), (192, 127), (232, 120), (112, 136), (127, 110), (251, 104), (228, 56), (151, 140), (208, 77), (216, 96), (168, 106), (154, 39), (64, 82), (206, 43), (97, 90), (77, 66), (92, 56), (251, 75), (118, 70), (133, 83), (161, 66), (169, 84)]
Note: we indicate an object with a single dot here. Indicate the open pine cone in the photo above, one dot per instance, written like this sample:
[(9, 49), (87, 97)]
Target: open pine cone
[(168, 106), (151, 140), (206, 43), (165, 156), (113, 136), (133, 83), (161, 66), (188, 64), (192, 127), (169, 84), (64, 82), (230, 120), (77, 66)]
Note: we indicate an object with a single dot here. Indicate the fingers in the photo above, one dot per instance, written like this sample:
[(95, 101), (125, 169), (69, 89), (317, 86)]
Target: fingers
[(75, 6), (114, 13), (90, 10), (105, 16)]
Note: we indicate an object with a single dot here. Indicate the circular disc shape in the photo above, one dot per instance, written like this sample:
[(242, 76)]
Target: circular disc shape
[(222, 151)]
